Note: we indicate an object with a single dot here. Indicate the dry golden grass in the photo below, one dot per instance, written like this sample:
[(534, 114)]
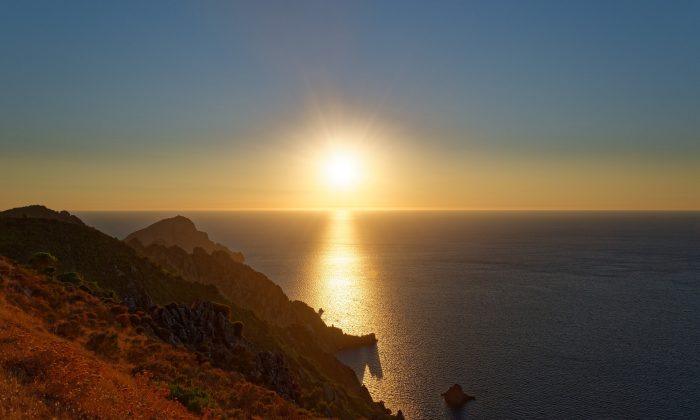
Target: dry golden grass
[(45, 376), (50, 366)]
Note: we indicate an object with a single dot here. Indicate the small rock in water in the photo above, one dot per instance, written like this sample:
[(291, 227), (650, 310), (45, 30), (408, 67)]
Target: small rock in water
[(455, 396)]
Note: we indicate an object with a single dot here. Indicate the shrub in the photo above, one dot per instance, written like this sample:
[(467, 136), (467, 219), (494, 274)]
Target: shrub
[(195, 399), (104, 344), (68, 329), (71, 277), (25, 369), (44, 262)]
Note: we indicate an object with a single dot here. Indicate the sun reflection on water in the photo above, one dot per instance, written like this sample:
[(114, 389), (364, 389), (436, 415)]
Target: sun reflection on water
[(345, 284), (343, 279), (341, 274)]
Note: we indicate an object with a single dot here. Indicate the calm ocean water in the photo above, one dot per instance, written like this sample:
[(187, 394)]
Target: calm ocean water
[(539, 315)]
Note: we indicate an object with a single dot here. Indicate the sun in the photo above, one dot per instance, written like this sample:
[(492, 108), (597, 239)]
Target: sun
[(342, 170)]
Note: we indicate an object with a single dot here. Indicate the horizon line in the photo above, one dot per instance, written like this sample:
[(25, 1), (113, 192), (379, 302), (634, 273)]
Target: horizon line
[(394, 209)]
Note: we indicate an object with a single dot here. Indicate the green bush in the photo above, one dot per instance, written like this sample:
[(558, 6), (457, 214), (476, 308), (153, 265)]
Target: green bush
[(71, 277), (76, 279), (44, 262), (195, 399)]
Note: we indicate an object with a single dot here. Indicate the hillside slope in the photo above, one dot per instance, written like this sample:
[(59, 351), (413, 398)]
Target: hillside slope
[(67, 354), (189, 316)]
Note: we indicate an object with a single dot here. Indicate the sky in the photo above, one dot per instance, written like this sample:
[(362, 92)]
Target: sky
[(504, 105)]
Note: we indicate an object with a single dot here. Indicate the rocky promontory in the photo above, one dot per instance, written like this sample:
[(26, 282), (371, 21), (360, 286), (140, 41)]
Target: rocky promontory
[(181, 232), (243, 285)]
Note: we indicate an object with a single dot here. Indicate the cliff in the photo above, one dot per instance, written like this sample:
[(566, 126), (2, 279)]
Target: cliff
[(249, 289), (181, 232)]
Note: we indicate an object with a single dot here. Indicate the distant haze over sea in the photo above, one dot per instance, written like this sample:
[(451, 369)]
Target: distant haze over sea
[(539, 315)]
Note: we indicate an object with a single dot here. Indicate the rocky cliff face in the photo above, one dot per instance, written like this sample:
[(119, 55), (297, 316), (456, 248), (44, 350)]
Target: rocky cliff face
[(251, 290), (181, 232), (205, 327)]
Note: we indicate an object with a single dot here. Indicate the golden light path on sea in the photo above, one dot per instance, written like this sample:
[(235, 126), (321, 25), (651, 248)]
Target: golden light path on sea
[(343, 280), (340, 273)]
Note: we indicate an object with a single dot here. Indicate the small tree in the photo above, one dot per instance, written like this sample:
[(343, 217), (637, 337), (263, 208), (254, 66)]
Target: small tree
[(44, 262)]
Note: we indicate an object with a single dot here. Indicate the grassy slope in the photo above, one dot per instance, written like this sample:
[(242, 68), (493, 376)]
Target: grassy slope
[(46, 369)]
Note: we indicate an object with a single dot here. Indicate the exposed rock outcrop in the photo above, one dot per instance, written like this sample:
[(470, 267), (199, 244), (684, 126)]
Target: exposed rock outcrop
[(455, 397), (205, 327), (181, 232)]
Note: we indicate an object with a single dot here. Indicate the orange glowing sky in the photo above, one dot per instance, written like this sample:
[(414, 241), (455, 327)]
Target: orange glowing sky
[(328, 105)]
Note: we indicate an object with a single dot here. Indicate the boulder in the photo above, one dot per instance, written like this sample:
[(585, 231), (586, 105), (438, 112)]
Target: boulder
[(455, 396)]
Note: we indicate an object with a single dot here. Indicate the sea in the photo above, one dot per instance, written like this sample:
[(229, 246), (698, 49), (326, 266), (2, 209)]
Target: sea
[(539, 315)]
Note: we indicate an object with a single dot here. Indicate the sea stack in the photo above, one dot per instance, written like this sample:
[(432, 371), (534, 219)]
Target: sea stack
[(455, 396)]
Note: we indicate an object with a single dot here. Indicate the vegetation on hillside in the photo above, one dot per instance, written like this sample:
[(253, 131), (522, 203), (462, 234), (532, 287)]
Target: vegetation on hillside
[(66, 353), (101, 296), (98, 257)]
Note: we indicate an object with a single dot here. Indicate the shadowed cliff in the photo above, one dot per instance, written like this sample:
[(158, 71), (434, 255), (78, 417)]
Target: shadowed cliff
[(245, 287)]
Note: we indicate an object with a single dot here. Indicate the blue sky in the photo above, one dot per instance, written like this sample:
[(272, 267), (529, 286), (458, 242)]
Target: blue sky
[(87, 80)]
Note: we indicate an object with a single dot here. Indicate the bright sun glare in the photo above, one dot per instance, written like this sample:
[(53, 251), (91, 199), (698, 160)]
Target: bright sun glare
[(342, 170)]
